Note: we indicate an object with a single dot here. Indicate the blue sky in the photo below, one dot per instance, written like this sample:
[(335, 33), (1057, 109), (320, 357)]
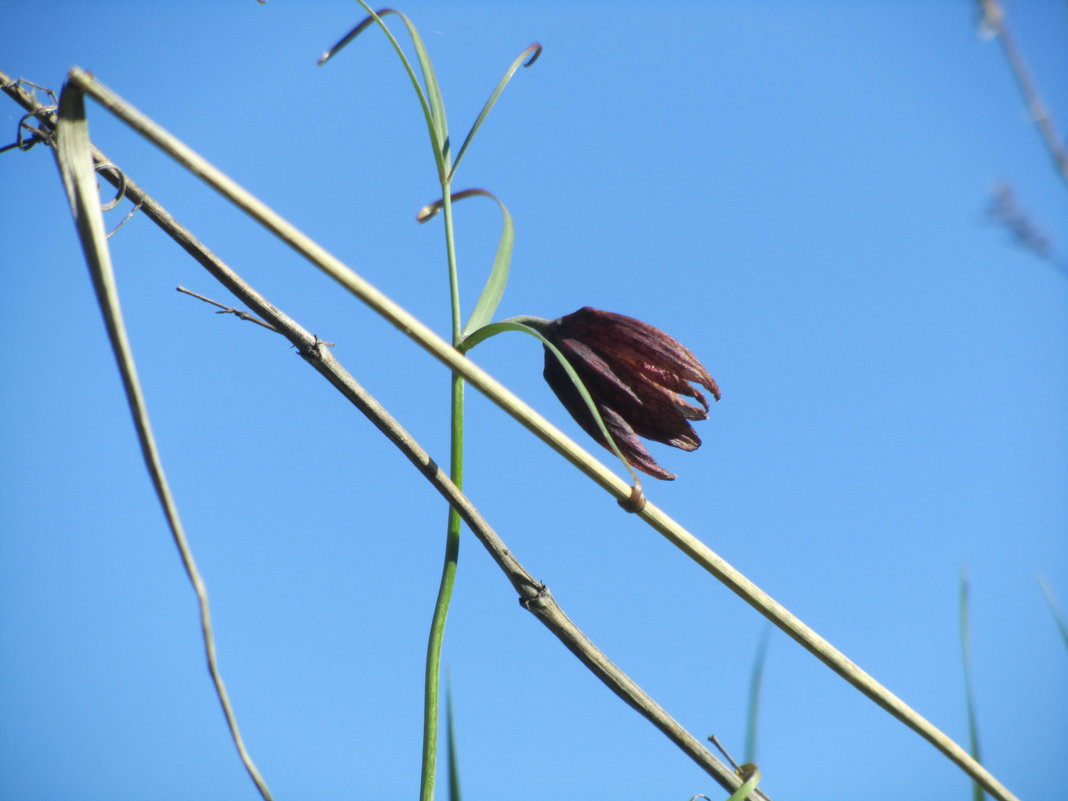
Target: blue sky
[(796, 191)]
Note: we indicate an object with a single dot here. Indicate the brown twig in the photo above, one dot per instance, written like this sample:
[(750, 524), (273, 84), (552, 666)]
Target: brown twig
[(223, 309)]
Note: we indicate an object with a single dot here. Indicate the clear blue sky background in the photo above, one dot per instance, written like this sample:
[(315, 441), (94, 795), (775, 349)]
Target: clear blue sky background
[(797, 191)]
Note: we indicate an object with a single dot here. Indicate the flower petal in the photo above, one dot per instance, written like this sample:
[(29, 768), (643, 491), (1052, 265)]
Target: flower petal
[(624, 435), (638, 377)]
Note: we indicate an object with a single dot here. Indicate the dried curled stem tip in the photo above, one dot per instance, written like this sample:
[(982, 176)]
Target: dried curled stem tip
[(535, 51), (636, 502), (120, 191), (431, 209), (428, 211), (364, 24)]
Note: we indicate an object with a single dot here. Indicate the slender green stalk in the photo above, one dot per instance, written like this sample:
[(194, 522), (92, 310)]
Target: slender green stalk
[(438, 131), (450, 246), (432, 675), (431, 694), (437, 632)]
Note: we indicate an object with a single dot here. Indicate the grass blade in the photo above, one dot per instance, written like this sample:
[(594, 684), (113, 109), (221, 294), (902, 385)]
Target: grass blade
[(1058, 615), (75, 161), (969, 692), (756, 681)]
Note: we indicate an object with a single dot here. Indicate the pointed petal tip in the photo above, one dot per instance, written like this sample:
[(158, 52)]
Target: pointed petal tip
[(656, 471)]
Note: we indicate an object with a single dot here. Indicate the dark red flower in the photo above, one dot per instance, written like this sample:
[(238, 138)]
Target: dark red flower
[(636, 375)]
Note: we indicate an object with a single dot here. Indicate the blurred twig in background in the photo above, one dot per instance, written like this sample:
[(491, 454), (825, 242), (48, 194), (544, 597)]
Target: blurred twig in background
[(993, 22), (1005, 210)]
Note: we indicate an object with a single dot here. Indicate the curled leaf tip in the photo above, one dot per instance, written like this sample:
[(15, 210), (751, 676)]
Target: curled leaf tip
[(348, 37), (427, 212), (536, 48)]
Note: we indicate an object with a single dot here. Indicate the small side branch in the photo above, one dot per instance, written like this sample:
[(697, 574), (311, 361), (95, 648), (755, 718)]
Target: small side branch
[(241, 315)]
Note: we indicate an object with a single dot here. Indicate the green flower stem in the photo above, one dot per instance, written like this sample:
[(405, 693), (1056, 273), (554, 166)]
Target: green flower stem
[(450, 247), (432, 675), (441, 607)]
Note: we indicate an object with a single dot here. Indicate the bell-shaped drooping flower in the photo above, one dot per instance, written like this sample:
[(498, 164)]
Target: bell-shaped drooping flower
[(636, 375)]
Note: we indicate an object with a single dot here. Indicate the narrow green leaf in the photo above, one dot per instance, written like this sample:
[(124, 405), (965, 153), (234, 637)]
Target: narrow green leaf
[(433, 88), (433, 92), (531, 325), (430, 101), (493, 291), (525, 59)]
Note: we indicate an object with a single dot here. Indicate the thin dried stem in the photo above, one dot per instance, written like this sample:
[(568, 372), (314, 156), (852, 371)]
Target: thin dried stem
[(994, 21), (224, 309)]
